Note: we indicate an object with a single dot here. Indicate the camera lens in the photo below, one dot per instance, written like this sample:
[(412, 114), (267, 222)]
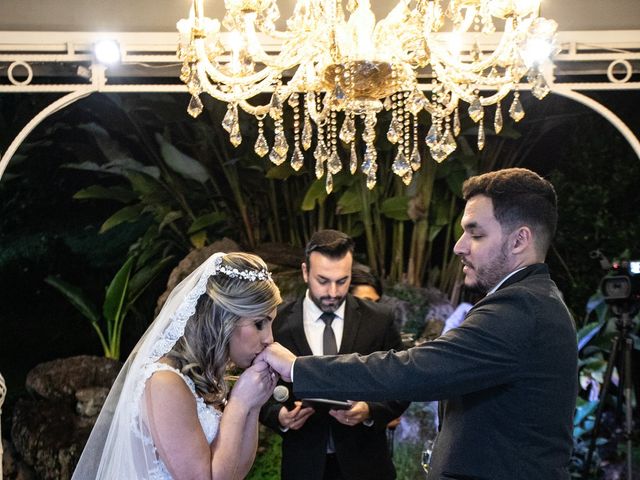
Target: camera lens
[(618, 287)]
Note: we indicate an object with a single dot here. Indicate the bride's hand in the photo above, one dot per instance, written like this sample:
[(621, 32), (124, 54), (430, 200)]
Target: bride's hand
[(255, 385)]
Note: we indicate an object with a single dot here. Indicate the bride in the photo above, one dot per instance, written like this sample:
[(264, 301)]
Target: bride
[(170, 414)]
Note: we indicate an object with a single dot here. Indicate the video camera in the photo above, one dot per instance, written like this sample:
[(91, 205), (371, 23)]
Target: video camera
[(621, 287)]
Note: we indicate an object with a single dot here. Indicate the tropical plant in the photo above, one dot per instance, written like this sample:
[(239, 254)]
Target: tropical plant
[(129, 282)]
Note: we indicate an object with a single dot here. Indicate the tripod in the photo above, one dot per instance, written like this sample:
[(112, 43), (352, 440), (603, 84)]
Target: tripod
[(621, 349)]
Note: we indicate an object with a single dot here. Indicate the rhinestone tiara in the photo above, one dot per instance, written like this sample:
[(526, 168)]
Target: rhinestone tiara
[(250, 275)]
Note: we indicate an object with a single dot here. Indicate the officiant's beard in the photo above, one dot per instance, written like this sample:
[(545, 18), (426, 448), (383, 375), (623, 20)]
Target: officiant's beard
[(327, 303)]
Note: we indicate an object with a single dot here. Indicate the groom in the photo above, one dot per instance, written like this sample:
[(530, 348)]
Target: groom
[(508, 373)]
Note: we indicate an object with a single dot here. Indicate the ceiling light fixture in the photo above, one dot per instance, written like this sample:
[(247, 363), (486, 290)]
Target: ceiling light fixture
[(337, 68)]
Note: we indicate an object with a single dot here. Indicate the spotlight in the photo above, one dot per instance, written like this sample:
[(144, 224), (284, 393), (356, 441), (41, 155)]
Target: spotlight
[(107, 51)]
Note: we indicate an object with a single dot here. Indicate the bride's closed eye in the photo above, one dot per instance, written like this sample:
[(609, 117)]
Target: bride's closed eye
[(263, 322)]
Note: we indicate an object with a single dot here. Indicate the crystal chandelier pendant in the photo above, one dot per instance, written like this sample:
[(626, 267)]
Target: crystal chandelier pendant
[(280, 144), (235, 137), (400, 165), (393, 134), (497, 119), (329, 183), (540, 89), (195, 106), (334, 165), (456, 122), (230, 119), (348, 131), (276, 158), (371, 179), (476, 111), (406, 178), (320, 155), (449, 143), (515, 110), (415, 161), (275, 109), (416, 102), (294, 100), (306, 133), (369, 165), (319, 168), (261, 146), (438, 153), (297, 159), (353, 159), (432, 136), (185, 73), (481, 136)]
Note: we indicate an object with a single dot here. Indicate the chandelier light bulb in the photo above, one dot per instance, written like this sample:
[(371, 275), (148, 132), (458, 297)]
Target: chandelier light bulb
[(537, 51)]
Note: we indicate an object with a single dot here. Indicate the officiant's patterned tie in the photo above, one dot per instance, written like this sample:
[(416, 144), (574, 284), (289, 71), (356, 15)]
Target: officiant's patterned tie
[(329, 346)]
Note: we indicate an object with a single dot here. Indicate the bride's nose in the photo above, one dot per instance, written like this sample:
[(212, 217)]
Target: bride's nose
[(267, 338)]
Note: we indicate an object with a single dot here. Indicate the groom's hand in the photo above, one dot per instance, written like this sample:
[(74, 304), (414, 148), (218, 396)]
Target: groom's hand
[(279, 359)]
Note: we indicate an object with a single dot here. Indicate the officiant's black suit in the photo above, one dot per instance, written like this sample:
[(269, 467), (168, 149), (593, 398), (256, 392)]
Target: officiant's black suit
[(361, 451)]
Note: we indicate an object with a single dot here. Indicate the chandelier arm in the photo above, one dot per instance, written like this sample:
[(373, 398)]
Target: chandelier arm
[(237, 94), (255, 110), (470, 13), (442, 55), (468, 97), (292, 41), (438, 111), (259, 55), (502, 92), (205, 65), (476, 80)]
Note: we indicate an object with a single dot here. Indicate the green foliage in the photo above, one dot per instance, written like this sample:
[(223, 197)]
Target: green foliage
[(127, 285), (268, 457), (406, 458), (595, 342)]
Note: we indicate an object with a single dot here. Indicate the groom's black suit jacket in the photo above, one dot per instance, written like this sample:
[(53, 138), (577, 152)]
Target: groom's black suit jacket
[(508, 374), (360, 450)]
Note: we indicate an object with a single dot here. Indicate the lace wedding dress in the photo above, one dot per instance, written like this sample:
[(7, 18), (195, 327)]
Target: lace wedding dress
[(120, 446), (208, 416)]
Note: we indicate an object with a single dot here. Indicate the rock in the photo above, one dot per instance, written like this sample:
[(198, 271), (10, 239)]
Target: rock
[(90, 400), (192, 261), (283, 260), (49, 436), (60, 379), (281, 254), (47, 432), (13, 468)]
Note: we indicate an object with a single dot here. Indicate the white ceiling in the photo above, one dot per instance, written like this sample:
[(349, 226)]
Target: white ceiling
[(161, 15)]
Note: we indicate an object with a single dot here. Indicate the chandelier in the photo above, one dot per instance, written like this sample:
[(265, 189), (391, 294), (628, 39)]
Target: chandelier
[(336, 68)]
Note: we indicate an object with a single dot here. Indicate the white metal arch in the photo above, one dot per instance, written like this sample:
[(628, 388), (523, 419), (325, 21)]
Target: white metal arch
[(35, 121), (605, 112)]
